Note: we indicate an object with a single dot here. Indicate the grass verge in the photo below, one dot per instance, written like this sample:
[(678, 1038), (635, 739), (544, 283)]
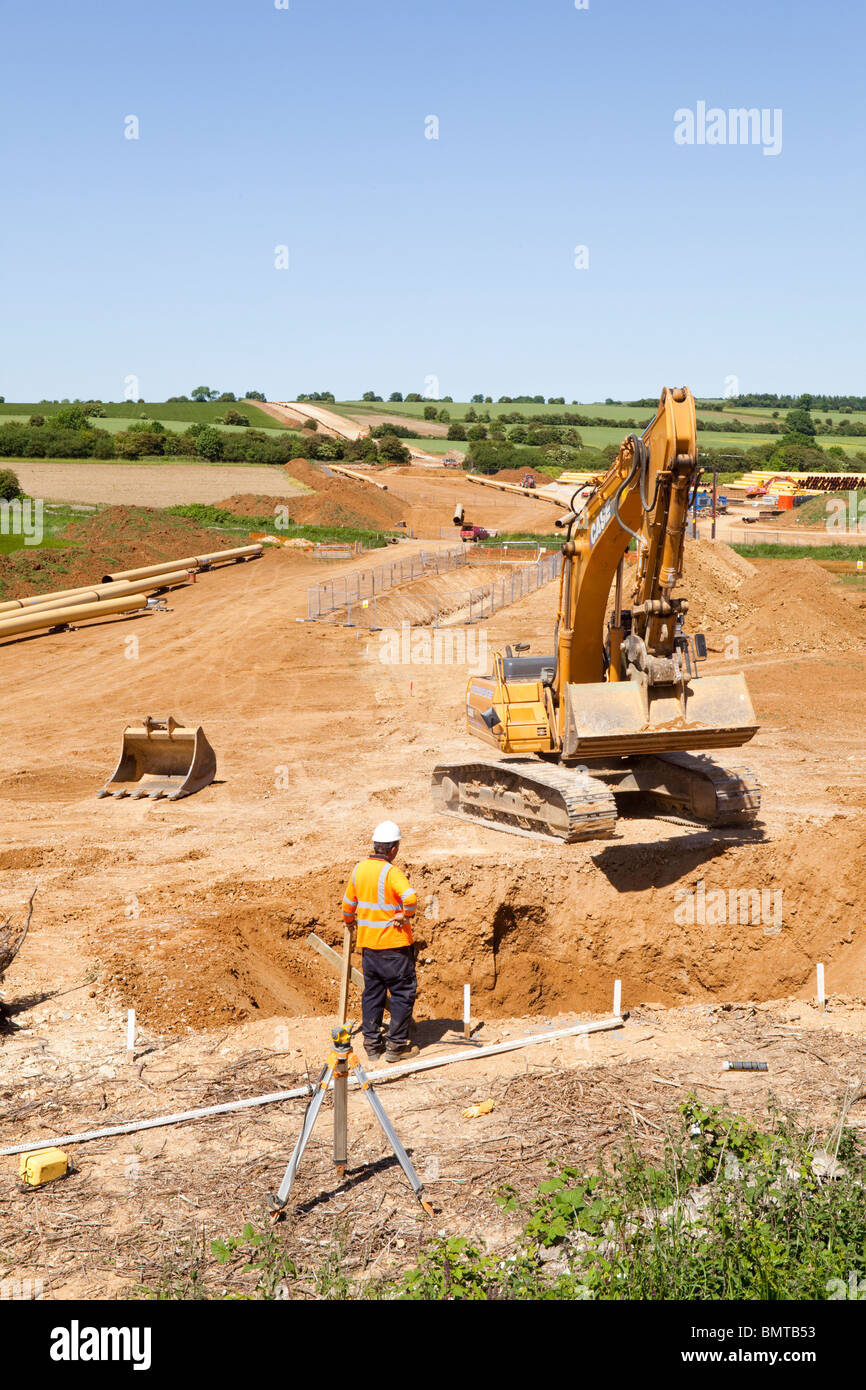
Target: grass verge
[(733, 1210), (280, 525), (801, 552)]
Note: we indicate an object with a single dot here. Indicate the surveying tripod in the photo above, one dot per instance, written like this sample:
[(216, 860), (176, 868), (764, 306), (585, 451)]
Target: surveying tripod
[(341, 1062)]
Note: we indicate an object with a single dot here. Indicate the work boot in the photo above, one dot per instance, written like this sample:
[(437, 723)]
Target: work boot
[(400, 1052)]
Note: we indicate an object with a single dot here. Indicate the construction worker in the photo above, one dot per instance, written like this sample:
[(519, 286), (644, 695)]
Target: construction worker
[(380, 899)]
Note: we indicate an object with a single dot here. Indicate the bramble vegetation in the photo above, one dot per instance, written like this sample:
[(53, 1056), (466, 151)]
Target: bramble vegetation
[(732, 1210)]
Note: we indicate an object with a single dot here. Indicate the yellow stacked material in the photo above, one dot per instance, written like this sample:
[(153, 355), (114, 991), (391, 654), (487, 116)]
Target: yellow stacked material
[(62, 598), (800, 484), (189, 562), (579, 479), (35, 618)]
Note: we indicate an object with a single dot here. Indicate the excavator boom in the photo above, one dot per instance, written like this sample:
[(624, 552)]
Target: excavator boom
[(640, 691)]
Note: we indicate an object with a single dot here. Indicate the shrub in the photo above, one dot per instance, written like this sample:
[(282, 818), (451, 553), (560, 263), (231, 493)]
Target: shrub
[(36, 421), (9, 485), (391, 449), (70, 417), (328, 448), (210, 443), (488, 456), (129, 444), (179, 446), (147, 427), (399, 431)]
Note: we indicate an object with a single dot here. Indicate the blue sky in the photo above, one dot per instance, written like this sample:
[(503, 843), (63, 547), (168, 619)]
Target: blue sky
[(413, 258)]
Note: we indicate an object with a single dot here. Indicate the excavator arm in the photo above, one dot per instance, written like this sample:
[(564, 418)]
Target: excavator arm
[(639, 690)]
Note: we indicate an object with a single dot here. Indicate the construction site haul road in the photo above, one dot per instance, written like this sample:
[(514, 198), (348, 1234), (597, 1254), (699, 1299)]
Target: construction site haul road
[(196, 913)]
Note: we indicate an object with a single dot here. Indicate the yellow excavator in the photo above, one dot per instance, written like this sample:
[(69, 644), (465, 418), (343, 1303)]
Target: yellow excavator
[(618, 708)]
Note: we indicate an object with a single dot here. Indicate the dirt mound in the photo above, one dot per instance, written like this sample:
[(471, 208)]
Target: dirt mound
[(769, 605), (797, 606), (113, 539), (713, 580), (710, 921), (305, 472), (340, 501), (255, 504)]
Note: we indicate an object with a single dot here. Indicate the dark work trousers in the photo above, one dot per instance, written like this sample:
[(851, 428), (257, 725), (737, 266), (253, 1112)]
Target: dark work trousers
[(388, 974)]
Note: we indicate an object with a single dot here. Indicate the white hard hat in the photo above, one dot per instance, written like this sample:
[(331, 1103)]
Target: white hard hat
[(387, 833)]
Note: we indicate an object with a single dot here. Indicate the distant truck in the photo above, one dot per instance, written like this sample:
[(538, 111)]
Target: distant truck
[(474, 533), (527, 481)]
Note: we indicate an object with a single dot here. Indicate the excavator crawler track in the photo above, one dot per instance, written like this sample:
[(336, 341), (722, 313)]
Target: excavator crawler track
[(526, 797), (694, 786), (738, 796)]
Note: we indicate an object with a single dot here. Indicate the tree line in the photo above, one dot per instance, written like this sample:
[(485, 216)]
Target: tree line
[(69, 434)]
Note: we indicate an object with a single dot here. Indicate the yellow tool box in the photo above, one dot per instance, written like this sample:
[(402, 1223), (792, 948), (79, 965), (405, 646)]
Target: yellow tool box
[(42, 1165)]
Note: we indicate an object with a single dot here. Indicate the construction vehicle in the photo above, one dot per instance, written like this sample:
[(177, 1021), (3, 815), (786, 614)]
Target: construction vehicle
[(618, 708), (527, 481), (162, 757)]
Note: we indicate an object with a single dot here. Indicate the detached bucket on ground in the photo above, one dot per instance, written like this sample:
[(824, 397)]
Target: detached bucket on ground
[(162, 757)]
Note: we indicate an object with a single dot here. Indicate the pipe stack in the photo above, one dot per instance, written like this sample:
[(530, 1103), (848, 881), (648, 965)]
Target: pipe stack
[(125, 591)]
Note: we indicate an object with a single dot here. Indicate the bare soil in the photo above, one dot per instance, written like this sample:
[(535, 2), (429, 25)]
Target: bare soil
[(196, 914), (117, 538), (148, 485)]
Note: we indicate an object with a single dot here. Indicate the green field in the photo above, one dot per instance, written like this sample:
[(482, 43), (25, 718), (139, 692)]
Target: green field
[(438, 445), (172, 414), (800, 552), (56, 516), (414, 410), (114, 424), (596, 436)]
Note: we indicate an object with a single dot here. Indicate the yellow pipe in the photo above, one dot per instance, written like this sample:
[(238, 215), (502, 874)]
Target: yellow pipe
[(190, 562), (77, 612), (95, 592)]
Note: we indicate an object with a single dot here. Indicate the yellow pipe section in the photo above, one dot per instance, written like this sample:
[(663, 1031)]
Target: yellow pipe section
[(63, 597), (74, 613), (190, 562)]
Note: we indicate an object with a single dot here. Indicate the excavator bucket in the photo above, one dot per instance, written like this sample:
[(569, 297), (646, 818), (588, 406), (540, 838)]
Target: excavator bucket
[(162, 757), (621, 718)]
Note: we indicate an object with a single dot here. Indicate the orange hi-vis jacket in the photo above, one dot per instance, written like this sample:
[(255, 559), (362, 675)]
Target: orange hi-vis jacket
[(375, 891)]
